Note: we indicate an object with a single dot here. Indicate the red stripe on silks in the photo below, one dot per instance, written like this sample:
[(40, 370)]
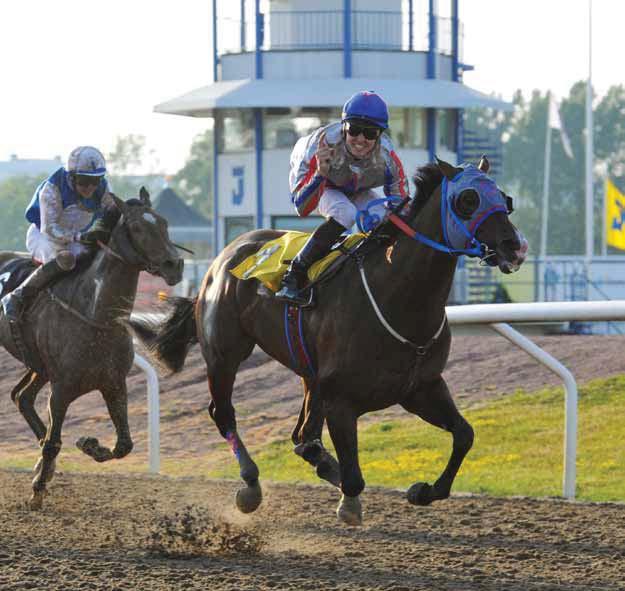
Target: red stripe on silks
[(402, 176), (313, 201), (403, 226), (312, 169)]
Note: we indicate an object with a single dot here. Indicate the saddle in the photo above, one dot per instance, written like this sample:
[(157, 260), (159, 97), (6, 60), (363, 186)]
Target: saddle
[(14, 273)]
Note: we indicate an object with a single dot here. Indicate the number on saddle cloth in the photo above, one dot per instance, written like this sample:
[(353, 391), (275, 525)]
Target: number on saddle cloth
[(13, 273)]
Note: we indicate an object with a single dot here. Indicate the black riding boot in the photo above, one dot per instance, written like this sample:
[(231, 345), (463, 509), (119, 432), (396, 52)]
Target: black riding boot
[(15, 302), (316, 247)]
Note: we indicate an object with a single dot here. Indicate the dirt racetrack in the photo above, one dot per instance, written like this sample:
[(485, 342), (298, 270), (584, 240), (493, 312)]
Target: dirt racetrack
[(113, 530), (98, 533)]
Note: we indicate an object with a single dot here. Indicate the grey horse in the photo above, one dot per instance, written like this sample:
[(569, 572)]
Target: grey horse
[(74, 334)]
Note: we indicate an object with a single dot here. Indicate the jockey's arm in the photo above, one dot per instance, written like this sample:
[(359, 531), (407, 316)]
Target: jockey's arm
[(397, 184), (305, 182), (51, 208)]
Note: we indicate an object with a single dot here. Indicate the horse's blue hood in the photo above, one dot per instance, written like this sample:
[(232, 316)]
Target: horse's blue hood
[(459, 234)]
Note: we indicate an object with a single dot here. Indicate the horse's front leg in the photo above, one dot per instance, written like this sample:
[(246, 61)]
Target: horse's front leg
[(24, 395), (116, 399), (220, 383), (342, 424), (434, 404), (307, 436), (59, 401)]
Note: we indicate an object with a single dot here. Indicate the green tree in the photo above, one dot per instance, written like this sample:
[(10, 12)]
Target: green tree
[(523, 133), (195, 179), (15, 194)]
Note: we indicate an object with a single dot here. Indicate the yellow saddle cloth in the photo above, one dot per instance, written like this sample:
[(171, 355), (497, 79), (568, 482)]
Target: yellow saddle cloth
[(267, 264)]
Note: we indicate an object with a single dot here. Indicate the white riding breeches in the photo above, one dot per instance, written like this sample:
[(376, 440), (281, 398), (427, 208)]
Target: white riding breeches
[(44, 248), (335, 204)]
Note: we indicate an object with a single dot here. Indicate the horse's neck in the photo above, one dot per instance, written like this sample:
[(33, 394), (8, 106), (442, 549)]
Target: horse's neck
[(419, 278), (106, 290)]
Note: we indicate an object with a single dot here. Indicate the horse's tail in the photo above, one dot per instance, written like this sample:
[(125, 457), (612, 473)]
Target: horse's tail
[(168, 339)]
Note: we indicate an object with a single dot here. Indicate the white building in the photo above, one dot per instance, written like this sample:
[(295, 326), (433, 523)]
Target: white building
[(282, 69)]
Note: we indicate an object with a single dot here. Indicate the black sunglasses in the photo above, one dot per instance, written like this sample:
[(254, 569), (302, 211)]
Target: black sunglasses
[(370, 133), (84, 180)]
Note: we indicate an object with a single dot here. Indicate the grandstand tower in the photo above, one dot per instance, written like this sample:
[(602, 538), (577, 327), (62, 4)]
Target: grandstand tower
[(282, 68)]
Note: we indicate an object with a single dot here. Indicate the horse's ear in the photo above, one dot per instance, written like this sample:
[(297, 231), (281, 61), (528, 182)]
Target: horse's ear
[(447, 169), (120, 203), (484, 164), (144, 197)]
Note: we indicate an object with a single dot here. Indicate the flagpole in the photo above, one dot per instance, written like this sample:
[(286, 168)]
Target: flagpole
[(589, 148), (544, 220)]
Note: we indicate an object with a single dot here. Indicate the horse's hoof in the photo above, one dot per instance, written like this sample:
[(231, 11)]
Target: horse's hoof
[(420, 494), (88, 445), (349, 510), (36, 501), (328, 469), (248, 499)]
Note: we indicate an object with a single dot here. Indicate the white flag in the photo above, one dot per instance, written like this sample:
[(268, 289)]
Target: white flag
[(555, 122)]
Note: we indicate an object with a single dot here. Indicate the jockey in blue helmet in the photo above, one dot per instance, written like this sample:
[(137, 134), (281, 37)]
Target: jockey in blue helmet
[(66, 215), (335, 170)]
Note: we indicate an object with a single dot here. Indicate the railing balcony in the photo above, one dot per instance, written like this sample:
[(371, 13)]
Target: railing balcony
[(324, 30)]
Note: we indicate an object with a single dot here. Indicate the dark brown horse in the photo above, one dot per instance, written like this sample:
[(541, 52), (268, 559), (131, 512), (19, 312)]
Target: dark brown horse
[(75, 335), (378, 335)]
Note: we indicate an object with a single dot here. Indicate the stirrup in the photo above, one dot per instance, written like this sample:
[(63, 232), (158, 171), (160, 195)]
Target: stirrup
[(296, 297)]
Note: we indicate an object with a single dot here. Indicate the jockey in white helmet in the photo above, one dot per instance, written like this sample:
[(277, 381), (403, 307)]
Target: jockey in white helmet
[(62, 213), (335, 170)]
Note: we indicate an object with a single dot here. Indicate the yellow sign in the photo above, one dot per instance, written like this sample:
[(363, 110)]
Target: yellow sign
[(615, 216)]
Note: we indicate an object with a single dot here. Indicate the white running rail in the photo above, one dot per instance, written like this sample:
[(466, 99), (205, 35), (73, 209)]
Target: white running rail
[(497, 315), (154, 441)]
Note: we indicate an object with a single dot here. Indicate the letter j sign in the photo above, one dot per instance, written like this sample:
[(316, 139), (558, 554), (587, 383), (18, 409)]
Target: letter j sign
[(238, 172)]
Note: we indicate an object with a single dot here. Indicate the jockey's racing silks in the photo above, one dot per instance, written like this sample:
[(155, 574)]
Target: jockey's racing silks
[(459, 234)]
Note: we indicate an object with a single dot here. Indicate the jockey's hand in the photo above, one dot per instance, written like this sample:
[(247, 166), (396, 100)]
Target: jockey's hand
[(91, 237), (324, 156)]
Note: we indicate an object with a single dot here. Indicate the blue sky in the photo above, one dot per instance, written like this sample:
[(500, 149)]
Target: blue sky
[(75, 75)]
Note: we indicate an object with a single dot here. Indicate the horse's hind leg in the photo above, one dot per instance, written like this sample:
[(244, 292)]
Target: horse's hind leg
[(342, 424), (307, 437), (24, 395), (60, 399), (116, 398), (433, 403), (220, 383)]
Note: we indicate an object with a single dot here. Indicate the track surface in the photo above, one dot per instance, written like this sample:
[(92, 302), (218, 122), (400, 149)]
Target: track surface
[(97, 533)]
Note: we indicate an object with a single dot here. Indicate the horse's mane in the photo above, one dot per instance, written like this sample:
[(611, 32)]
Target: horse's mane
[(426, 179)]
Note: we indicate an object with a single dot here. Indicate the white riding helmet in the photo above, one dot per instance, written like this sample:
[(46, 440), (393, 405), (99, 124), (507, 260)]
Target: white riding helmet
[(86, 160)]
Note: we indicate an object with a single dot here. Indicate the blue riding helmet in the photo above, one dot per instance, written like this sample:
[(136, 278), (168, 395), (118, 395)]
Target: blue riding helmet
[(366, 106)]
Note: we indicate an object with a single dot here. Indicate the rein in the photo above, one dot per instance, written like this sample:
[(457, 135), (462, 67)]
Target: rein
[(57, 300), (475, 249)]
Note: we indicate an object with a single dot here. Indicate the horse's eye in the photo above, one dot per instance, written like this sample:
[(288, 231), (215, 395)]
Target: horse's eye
[(466, 204)]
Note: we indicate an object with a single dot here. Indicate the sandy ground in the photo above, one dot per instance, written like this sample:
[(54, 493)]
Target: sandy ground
[(154, 533), (119, 531)]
